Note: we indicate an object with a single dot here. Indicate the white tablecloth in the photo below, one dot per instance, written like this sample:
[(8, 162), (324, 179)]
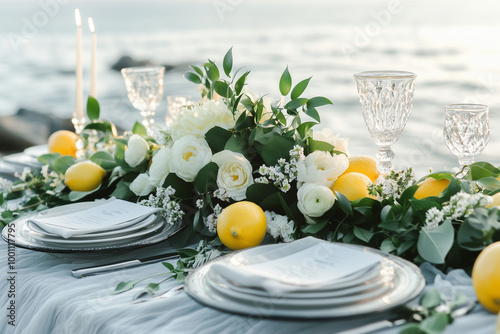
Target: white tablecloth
[(49, 300)]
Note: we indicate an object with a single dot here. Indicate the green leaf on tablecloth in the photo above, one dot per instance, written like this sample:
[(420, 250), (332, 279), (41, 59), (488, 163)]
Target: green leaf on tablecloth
[(299, 88), (430, 299), (436, 323), (227, 64), (285, 82), (124, 286), (152, 288), (93, 109), (139, 129), (193, 77), (434, 244), (104, 159), (413, 329)]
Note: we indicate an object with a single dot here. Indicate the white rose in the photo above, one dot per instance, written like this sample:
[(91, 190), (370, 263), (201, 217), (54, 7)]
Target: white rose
[(322, 168), (159, 169), (189, 155), (235, 173), (326, 135), (314, 199), (197, 120), (137, 150), (140, 186)]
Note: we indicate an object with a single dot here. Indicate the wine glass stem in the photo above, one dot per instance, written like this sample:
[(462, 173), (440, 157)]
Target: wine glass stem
[(465, 161), (148, 121), (384, 159)]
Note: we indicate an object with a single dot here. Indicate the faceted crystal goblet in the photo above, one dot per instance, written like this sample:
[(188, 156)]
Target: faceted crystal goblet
[(386, 100), (145, 90), (466, 130)]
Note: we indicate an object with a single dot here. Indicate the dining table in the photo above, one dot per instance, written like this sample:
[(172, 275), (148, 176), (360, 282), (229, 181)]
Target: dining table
[(40, 295)]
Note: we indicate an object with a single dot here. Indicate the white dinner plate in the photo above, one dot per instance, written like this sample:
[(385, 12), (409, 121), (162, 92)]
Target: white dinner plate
[(408, 284), (153, 224)]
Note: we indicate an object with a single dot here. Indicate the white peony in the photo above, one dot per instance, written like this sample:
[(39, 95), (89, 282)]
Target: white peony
[(159, 169), (326, 135), (140, 186), (137, 150), (314, 200), (189, 155), (197, 120), (322, 168), (235, 173)]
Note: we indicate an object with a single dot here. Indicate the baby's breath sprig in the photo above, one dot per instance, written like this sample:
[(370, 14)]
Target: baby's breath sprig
[(163, 199), (393, 185)]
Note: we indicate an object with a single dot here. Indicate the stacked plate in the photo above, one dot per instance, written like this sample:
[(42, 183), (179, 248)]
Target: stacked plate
[(93, 226), (309, 278)]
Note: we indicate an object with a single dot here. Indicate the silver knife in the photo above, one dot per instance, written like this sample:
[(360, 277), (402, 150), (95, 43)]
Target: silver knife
[(88, 271)]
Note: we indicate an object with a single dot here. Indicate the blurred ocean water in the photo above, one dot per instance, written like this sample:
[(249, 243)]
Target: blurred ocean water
[(452, 46)]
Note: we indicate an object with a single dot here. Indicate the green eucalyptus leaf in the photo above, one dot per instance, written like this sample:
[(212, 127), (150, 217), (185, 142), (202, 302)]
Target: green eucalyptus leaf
[(430, 299), (318, 101), (206, 180), (363, 234), (436, 323), (183, 190), (193, 77), (314, 228), (78, 195), (344, 203), (139, 129), (285, 82), (480, 170), (313, 113), (299, 88), (228, 62), (197, 70), (413, 329), (277, 148), (152, 287), (213, 72), (318, 145), (104, 159), (296, 103), (124, 286), (238, 86), (489, 183), (434, 244), (304, 128), (93, 108), (61, 164), (223, 89), (217, 138), (122, 190)]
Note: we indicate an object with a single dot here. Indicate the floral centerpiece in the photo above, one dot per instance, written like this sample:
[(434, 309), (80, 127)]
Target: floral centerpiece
[(234, 146)]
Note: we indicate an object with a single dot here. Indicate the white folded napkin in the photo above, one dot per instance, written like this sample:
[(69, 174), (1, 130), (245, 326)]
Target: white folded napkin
[(106, 216), (313, 266)]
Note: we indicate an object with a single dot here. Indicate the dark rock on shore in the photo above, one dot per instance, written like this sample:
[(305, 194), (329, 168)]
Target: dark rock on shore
[(28, 128)]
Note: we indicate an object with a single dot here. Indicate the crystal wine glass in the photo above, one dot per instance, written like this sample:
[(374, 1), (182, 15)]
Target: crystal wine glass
[(386, 99), (466, 130), (145, 90)]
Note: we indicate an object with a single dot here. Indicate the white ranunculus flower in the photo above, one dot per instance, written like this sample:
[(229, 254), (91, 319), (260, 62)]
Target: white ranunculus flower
[(198, 119), (314, 199), (140, 186), (159, 169), (235, 173), (322, 168), (189, 155), (326, 135), (137, 150)]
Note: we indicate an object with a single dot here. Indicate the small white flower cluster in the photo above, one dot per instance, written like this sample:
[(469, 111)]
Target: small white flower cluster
[(222, 195), (393, 185), (200, 203), (460, 206), (5, 185), (24, 175), (211, 220), (170, 208), (54, 178), (279, 226), (284, 173)]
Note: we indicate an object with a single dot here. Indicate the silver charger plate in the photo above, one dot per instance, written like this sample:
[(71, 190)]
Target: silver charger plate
[(15, 233), (408, 285)]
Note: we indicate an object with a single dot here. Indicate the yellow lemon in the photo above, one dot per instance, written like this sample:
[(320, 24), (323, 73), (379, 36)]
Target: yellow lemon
[(63, 142), (496, 201), (364, 165), (241, 225), (84, 176), (431, 187), (353, 185), (486, 277)]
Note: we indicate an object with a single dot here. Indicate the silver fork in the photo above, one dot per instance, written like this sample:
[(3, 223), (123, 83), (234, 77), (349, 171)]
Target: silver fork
[(172, 292)]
